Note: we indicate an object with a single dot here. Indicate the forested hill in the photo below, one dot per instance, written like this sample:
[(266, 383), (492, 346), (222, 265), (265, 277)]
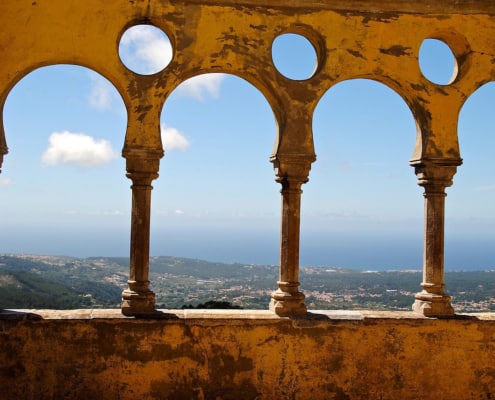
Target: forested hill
[(34, 281)]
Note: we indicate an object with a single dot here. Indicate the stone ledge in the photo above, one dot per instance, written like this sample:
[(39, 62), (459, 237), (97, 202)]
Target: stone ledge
[(192, 314)]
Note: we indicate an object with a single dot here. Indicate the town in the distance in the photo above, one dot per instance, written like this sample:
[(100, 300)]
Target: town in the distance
[(59, 282)]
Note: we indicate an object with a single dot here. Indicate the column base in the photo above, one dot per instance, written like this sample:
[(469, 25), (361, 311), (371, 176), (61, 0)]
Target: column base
[(287, 304), (433, 305), (138, 303)]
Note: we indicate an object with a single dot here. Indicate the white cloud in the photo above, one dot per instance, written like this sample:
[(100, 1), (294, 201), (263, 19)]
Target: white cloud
[(179, 212), (145, 49), (173, 139), (5, 181), (100, 96), (200, 86), (77, 149)]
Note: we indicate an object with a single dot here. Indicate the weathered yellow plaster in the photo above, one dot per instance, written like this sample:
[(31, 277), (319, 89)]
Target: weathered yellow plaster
[(364, 40), (247, 355)]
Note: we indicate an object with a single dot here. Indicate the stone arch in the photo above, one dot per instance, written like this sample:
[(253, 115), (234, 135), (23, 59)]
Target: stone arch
[(377, 166), (268, 91), (64, 73), (248, 164), (469, 226), (408, 93), (32, 69)]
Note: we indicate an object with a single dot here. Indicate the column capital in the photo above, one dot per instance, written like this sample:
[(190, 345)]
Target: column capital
[(292, 168), (142, 165), (435, 172)]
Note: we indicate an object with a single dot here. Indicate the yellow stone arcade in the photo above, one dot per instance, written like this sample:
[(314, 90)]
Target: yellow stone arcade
[(371, 39)]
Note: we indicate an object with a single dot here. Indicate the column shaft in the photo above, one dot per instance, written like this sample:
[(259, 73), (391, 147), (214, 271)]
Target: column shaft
[(432, 301), (140, 231), (433, 257), (287, 299), (138, 299), (289, 235)]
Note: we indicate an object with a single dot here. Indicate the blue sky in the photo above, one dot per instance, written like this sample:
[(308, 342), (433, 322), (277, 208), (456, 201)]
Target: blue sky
[(64, 190)]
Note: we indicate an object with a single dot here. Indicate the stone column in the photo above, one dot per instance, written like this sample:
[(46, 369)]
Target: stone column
[(434, 177), (138, 299), (291, 174)]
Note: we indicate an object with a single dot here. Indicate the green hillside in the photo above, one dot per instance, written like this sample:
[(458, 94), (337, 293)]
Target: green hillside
[(32, 281), (56, 282), (29, 290)]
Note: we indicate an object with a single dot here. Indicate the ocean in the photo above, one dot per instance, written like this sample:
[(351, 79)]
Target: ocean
[(360, 251)]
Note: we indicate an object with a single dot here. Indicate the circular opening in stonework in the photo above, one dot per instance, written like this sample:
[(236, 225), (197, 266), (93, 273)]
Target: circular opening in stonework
[(294, 56), (437, 62), (145, 49)]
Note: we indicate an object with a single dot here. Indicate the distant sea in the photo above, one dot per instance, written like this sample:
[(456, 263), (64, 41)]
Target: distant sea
[(377, 252)]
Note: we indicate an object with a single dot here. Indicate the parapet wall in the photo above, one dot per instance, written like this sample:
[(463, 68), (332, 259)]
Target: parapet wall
[(193, 354)]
